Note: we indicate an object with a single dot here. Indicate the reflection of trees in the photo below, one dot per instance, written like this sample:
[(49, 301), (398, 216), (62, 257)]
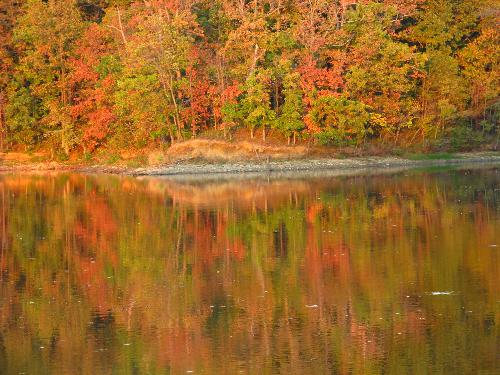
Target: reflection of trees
[(205, 276)]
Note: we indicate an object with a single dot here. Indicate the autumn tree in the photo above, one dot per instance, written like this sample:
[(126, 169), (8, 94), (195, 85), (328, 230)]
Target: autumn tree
[(156, 59), (9, 10), (45, 34), (93, 77), (442, 29), (480, 63), (383, 71)]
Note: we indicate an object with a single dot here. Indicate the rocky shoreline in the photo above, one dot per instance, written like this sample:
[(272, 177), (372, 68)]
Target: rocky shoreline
[(333, 165), (316, 166)]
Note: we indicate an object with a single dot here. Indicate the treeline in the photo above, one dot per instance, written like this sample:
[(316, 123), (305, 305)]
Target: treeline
[(83, 74)]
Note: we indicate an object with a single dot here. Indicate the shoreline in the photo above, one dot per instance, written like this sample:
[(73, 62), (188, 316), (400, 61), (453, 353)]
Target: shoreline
[(203, 169)]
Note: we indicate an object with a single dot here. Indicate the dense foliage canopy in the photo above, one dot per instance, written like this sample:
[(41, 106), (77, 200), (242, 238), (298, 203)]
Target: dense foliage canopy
[(84, 74)]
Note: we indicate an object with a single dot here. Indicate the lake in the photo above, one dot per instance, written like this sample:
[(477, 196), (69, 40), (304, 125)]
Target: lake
[(382, 274)]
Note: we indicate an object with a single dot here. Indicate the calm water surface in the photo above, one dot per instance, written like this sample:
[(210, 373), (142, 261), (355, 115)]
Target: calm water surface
[(354, 275)]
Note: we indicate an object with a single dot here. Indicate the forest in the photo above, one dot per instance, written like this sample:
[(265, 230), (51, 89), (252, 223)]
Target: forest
[(82, 76)]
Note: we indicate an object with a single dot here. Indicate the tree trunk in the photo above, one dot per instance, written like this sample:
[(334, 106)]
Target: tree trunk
[(264, 133), (2, 123), (171, 135), (120, 27), (176, 114), (276, 97), (122, 31), (255, 60)]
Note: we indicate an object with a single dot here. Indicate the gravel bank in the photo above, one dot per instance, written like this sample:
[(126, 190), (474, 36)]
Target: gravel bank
[(309, 166), (328, 166)]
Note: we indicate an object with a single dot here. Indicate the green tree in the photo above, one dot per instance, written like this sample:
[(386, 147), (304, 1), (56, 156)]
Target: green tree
[(291, 119), (158, 52), (339, 121), (256, 106), (138, 122), (23, 113), (382, 69), (442, 29)]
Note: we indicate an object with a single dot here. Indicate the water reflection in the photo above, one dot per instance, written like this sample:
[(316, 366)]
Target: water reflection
[(355, 275)]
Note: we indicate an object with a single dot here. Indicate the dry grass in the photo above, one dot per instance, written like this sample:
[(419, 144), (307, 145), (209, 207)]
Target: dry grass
[(156, 158), (21, 157), (221, 151)]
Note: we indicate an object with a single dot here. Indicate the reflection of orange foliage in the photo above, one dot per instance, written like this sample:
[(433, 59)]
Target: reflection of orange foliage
[(94, 284), (237, 249), (312, 212), (97, 228), (335, 256)]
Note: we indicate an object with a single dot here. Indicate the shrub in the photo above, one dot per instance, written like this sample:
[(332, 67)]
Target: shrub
[(464, 138)]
